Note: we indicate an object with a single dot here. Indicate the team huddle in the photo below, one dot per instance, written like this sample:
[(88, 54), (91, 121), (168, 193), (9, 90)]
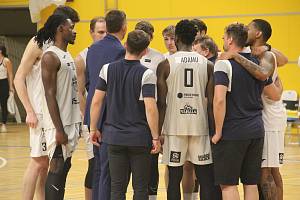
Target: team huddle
[(216, 117)]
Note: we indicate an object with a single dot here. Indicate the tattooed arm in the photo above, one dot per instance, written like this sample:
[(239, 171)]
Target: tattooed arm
[(260, 72)]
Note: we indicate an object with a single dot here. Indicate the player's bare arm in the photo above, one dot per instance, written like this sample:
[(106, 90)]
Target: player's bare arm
[(219, 109), (210, 92), (152, 119), (280, 57), (50, 65), (31, 54), (260, 72), (274, 90), (96, 106), (80, 71), (162, 73)]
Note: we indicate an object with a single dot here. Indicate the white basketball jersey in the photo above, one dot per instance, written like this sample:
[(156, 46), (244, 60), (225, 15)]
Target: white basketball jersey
[(152, 59), (83, 55), (34, 84), (274, 113), (66, 92), (186, 112)]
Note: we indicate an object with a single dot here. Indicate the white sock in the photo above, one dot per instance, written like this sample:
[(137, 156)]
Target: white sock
[(195, 195), (187, 196), (152, 197)]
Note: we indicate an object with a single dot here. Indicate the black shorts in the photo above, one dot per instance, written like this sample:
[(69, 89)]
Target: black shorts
[(234, 159)]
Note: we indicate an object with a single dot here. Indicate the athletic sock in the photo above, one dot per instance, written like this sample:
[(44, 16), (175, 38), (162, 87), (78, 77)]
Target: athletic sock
[(195, 196), (152, 197), (187, 196)]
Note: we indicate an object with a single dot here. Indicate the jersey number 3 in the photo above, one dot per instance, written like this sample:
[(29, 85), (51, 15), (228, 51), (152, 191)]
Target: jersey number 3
[(188, 78)]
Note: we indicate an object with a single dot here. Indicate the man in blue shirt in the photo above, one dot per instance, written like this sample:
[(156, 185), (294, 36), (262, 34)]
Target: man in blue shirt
[(239, 130), (131, 125), (102, 52)]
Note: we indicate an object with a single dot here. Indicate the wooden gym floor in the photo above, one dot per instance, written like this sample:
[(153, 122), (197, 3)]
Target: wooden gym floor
[(14, 156)]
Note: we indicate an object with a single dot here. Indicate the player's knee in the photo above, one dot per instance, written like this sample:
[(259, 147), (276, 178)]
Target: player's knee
[(188, 167), (265, 174), (56, 165), (40, 164)]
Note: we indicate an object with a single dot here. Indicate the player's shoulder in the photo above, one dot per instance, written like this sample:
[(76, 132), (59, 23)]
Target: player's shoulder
[(155, 52)]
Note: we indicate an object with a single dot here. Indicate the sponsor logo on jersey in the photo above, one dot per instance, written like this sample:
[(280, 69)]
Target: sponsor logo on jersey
[(204, 157), (188, 110), (187, 95), (281, 158), (75, 101), (175, 157), (147, 60)]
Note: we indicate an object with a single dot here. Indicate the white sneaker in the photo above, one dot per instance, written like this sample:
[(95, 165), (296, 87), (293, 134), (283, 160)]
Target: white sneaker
[(3, 128)]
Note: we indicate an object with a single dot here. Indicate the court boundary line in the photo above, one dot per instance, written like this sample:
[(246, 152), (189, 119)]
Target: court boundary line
[(4, 162)]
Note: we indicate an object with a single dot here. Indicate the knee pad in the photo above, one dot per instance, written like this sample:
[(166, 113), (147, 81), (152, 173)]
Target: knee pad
[(88, 183)]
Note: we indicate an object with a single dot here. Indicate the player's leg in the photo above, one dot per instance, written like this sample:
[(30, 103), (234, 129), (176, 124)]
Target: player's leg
[(154, 177), (35, 168), (119, 166), (188, 180), (279, 183), (88, 182), (174, 155), (251, 168), (140, 160), (36, 172), (199, 152)]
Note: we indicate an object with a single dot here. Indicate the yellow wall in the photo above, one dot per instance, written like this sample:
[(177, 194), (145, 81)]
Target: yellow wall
[(284, 17), (13, 3)]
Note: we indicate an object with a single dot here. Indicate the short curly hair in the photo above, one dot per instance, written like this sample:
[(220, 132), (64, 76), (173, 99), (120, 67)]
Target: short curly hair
[(238, 32), (186, 31)]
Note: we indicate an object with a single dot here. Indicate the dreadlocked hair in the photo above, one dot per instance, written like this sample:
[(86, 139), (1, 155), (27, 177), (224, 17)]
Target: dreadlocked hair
[(47, 33)]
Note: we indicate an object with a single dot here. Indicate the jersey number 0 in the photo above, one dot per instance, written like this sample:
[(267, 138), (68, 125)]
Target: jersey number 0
[(188, 78)]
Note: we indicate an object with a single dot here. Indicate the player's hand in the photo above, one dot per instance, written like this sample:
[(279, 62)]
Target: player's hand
[(96, 137), (215, 139), (31, 120), (258, 51), (61, 138), (162, 141), (155, 146), (225, 56)]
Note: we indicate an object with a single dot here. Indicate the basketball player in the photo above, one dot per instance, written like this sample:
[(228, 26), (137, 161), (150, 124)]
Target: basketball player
[(189, 185), (131, 126), (97, 32), (241, 130), (274, 114), (61, 111), (151, 60), (28, 84), (184, 83), (169, 40)]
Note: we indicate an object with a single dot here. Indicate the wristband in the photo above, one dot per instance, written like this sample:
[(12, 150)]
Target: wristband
[(93, 130), (155, 139)]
